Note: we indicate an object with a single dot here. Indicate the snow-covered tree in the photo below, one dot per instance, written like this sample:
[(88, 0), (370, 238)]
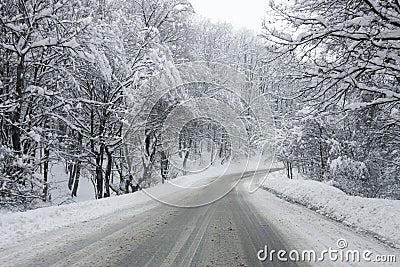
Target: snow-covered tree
[(34, 43), (347, 53)]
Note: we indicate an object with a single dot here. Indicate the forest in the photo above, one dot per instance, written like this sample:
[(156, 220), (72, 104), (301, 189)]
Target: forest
[(130, 93)]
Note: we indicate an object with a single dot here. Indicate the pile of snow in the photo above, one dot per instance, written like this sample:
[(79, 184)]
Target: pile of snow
[(378, 216)]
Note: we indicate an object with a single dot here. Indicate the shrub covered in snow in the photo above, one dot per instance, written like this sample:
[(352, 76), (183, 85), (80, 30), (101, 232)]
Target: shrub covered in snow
[(350, 176)]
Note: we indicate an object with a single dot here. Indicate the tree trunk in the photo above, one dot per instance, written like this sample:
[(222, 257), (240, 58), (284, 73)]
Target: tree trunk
[(16, 118), (77, 172), (71, 169), (99, 173), (99, 178), (289, 169), (76, 180), (146, 174), (46, 172), (185, 162), (127, 184), (164, 166), (322, 171), (148, 157), (108, 173)]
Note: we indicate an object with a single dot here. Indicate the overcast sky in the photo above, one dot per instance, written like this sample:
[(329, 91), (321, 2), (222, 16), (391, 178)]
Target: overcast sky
[(240, 13)]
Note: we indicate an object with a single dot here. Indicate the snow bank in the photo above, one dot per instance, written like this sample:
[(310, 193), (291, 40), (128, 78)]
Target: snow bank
[(377, 216), (17, 226)]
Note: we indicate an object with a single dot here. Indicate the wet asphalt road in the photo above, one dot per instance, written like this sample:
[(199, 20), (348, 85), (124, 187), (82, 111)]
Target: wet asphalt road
[(228, 232)]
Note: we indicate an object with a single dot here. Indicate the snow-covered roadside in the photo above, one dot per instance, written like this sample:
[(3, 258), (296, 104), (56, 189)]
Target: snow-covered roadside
[(18, 226), (377, 216)]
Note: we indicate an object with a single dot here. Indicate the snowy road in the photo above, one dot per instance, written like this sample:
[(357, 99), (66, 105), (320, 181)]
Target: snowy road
[(228, 232)]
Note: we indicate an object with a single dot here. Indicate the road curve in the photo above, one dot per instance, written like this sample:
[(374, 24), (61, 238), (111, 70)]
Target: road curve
[(227, 232)]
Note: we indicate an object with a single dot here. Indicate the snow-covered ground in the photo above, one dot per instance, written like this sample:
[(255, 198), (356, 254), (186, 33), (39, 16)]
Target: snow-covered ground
[(306, 230), (380, 217), (17, 226), (302, 228), (377, 216)]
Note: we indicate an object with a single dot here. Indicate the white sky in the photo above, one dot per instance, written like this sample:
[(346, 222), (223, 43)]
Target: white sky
[(240, 13)]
